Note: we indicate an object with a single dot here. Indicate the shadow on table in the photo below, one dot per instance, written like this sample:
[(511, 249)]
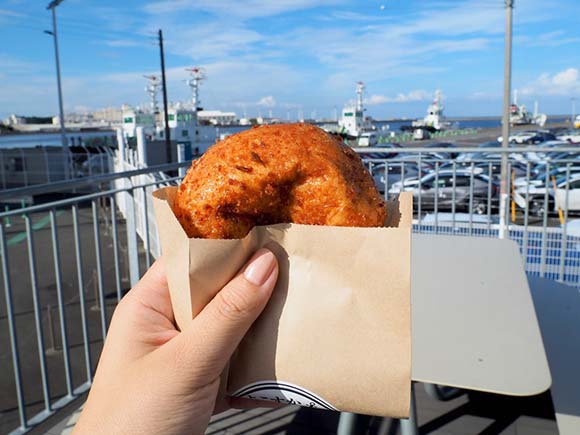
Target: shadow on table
[(503, 410)]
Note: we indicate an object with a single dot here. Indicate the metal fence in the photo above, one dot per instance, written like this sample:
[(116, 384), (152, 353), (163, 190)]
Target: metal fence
[(22, 167), (65, 264)]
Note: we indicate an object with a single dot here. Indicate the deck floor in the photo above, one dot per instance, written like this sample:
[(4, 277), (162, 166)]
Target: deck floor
[(476, 413)]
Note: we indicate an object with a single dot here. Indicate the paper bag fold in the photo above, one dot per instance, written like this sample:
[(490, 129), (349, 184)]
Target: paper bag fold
[(336, 332)]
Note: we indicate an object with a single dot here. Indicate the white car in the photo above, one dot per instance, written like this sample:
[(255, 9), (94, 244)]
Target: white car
[(519, 137), (539, 179), (369, 139), (572, 136), (556, 198)]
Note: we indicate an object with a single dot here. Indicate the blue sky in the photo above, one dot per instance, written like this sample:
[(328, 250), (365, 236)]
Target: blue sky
[(292, 55)]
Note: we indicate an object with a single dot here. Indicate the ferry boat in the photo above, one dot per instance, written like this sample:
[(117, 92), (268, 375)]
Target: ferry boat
[(519, 115), (353, 122), (435, 119)]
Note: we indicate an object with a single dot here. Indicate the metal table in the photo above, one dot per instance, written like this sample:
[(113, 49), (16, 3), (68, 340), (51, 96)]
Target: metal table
[(473, 320), (558, 308)]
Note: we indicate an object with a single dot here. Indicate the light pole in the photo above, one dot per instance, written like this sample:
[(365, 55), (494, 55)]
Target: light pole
[(52, 6), (503, 196)]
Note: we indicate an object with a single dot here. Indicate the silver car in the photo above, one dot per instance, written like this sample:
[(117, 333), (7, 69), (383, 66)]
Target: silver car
[(387, 174), (469, 190)]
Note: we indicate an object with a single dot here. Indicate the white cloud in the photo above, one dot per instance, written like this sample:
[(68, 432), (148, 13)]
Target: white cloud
[(564, 83), (548, 39), (236, 8), (12, 65), (9, 13), (416, 95), (123, 43), (268, 101)]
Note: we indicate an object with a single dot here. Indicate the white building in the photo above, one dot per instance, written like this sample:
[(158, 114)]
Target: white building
[(133, 118), (216, 117)]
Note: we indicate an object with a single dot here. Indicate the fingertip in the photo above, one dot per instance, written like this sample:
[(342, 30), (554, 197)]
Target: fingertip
[(259, 270)]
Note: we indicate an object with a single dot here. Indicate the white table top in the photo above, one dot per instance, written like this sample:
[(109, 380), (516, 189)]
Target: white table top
[(473, 319), (558, 308)]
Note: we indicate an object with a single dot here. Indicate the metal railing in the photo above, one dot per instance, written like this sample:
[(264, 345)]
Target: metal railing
[(21, 167), (65, 264)]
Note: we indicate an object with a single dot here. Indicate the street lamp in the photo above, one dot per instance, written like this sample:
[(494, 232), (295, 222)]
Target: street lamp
[(52, 6), (504, 194)]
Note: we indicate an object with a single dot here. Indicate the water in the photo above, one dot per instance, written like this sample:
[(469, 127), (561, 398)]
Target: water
[(53, 139), (463, 123)]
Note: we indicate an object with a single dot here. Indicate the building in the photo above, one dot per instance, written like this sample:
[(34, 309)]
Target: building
[(216, 117), (108, 115), (133, 118)]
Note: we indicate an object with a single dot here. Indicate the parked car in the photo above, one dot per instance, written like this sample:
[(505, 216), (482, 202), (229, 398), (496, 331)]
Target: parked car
[(534, 197), (386, 154), (447, 145), (368, 139), (572, 136), (479, 153), (539, 137), (519, 137), (441, 188), (542, 151), (387, 174), (538, 178)]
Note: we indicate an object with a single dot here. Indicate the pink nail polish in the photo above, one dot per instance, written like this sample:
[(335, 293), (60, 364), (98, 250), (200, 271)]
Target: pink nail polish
[(260, 269)]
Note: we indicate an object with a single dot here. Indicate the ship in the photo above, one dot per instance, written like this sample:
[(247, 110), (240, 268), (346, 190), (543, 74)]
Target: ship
[(435, 119), (189, 137), (519, 115)]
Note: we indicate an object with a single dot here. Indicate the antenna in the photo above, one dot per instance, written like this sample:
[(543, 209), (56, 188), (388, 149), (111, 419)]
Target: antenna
[(438, 101), (360, 87), (152, 88), (196, 74)]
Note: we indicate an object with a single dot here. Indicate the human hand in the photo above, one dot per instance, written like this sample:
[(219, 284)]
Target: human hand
[(152, 378)]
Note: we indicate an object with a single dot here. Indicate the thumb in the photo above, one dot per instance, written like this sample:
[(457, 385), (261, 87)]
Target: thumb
[(211, 338)]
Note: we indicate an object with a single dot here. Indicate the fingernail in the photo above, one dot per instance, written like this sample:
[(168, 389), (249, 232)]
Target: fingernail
[(261, 267)]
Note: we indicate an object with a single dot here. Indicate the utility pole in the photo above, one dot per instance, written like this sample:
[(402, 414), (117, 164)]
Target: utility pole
[(165, 108), (504, 194), (65, 154)]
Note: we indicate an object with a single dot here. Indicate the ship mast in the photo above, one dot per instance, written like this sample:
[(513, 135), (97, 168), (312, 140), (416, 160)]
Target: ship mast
[(152, 88), (196, 76), (360, 87), (437, 103)]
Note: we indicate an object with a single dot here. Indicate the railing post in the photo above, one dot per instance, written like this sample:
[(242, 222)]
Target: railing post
[(51, 350), (132, 247), (181, 158)]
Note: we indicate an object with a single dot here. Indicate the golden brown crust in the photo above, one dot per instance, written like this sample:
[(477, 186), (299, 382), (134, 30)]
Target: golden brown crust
[(276, 174)]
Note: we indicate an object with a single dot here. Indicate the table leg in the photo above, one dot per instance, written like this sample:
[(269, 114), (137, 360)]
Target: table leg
[(409, 426), (346, 424)]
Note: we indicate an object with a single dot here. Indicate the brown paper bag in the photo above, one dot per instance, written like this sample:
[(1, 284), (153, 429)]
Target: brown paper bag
[(336, 333)]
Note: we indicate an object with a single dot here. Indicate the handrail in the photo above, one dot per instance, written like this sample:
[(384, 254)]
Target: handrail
[(58, 186), (472, 150), (78, 199)]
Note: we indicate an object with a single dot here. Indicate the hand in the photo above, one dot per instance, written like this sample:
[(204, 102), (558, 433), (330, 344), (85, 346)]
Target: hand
[(154, 379)]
